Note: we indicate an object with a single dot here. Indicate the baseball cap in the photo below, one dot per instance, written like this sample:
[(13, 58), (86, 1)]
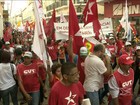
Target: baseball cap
[(127, 43), (7, 42), (83, 51), (137, 47), (125, 59), (28, 54), (103, 41), (111, 37)]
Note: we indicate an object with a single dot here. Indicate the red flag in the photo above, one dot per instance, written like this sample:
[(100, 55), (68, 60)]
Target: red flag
[(74, 29), (90, 12), (8, 34), (45, 25), (91, 15), (97, 27), (50, 26)]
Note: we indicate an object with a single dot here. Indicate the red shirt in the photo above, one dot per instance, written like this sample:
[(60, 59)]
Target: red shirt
[(29, 77), (125, 84), (66, 95), (52, 51), (119, 45), (55, 79), (111, 48), (42, 70)]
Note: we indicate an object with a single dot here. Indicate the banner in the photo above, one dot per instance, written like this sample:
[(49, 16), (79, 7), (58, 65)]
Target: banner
[(106, 26), (61, 29)]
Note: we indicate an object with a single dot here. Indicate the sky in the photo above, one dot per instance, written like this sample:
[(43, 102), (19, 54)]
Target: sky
[(15, 6)]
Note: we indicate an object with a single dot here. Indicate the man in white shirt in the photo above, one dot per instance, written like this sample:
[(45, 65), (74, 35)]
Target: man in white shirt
[(95, 70)]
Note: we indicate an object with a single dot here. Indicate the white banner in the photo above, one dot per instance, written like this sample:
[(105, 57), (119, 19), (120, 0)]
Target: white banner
[(106, 26), (61, 29)]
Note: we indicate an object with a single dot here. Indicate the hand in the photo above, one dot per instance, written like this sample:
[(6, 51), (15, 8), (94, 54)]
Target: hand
[(28, 97), (44, 89)]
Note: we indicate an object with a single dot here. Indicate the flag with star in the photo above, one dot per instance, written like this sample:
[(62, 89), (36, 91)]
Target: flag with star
[(74, 29), (90, 12)]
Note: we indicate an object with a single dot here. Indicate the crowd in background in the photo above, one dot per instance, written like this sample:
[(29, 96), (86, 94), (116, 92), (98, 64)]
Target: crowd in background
[(112, 69)]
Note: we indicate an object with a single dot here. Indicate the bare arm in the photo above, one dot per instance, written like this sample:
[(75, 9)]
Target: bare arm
[(115, 101), (27, 96)]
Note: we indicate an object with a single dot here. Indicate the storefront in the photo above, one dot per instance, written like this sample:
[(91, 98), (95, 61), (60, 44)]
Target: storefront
[(115, 9)]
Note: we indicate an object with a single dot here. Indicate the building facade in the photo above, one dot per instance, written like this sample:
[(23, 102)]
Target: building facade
[(1, 17), (116, 8)]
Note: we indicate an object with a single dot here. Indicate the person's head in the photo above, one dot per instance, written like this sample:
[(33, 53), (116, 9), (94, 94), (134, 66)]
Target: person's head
[(5, 57), (27, 57), (138, 50), (125, 62), (99, 50), (70, 73), (7, 44), (104, 42), (18, 52), (1, 43), (111, 40), (128, 46), (83, 52), (56, 69)]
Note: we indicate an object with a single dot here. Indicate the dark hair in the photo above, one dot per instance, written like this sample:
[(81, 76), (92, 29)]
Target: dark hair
[(5, 57), (67, 67), (98, 47), (55, 66), (18, 51)]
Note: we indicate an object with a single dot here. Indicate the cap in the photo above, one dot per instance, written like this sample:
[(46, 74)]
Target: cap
[(83, 51), (103, 41), (127, 43), (28, 54), (124, 37), (7, 42), (125, 59), (111, 37), (137, 47)]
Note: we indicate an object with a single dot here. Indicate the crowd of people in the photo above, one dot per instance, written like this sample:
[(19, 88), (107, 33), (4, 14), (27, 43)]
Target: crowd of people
[(111, 69)]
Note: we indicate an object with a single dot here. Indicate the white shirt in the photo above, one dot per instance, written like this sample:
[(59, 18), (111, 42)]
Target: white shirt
[(94, 70), (6, 76)]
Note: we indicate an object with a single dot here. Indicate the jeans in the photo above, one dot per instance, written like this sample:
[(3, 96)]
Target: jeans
[(35, 98), (94, 97), (10, 91)]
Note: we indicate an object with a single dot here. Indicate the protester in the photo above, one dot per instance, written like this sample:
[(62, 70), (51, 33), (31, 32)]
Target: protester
[(7, 79), (121, 83), (52, 50), (54, 73), (137, 68), (61, 54), (29, 79), (68, 91), (42, 74), (95, 70), (10, 49)]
